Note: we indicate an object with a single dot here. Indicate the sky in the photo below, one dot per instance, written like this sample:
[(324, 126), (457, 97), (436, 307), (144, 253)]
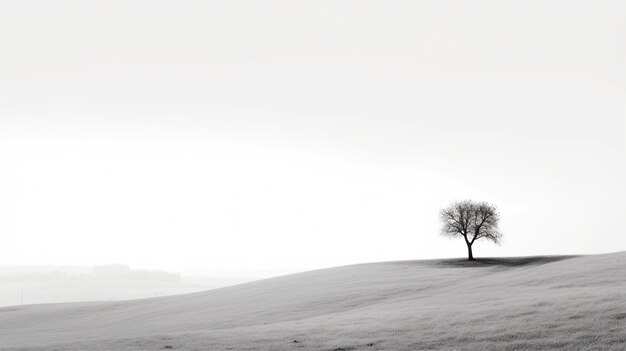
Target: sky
[(255, 138)]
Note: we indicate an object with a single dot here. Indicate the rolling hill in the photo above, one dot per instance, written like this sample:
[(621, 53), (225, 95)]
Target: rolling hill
[(527, 303)]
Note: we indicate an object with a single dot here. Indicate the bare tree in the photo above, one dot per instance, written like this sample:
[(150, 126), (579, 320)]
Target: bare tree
[(472, 221)]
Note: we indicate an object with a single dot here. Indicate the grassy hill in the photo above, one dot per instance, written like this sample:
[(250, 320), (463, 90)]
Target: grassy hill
[(531, 303)]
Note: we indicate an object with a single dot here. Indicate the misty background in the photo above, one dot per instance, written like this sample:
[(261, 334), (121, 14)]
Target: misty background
[(249, 139)]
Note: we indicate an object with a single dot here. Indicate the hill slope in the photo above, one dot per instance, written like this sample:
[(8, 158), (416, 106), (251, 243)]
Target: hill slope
[(560, 303)]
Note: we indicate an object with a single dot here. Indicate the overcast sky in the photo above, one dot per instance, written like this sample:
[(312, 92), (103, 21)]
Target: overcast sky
[(263, 137)]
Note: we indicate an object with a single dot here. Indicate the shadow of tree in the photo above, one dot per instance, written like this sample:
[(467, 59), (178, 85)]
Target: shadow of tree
[(502, 261)]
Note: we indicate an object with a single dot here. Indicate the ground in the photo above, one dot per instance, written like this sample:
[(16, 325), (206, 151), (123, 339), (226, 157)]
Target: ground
[(530, 303)]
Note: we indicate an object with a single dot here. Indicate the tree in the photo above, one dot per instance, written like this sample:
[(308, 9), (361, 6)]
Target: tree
[(471, 221)]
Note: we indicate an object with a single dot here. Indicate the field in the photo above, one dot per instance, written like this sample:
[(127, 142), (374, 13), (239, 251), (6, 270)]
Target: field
[(527, 303)]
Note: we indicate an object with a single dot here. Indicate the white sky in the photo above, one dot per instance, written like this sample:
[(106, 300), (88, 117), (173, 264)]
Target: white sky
[(264, 137)]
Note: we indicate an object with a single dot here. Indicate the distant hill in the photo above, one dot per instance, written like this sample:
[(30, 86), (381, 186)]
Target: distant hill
[(53, 284), (532, 303)]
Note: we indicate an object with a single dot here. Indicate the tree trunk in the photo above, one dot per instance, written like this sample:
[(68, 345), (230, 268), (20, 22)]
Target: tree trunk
[(470, 256)]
